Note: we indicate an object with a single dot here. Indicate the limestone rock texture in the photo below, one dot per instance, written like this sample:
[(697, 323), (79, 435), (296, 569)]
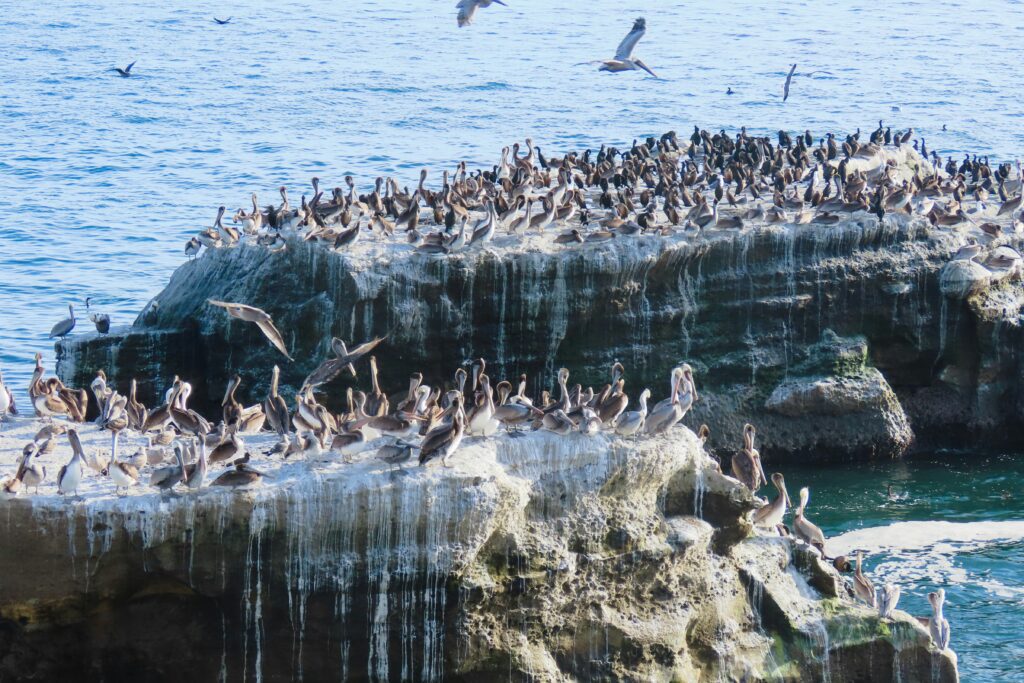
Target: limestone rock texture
[(532, 558), (864, 315)]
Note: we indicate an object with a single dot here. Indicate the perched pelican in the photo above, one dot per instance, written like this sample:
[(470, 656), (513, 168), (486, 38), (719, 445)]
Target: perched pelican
[(443, 441), (805, 529), (622, 60), (125, 72), (467, 9), (395, 454), (746, 465), (275, 407), (64, 327), (166, 478), (938, 627), (888, 598), (7, 406), (771, 515), (70, 475), (30, 471), (630, 424), (862, 586), (251, 314)]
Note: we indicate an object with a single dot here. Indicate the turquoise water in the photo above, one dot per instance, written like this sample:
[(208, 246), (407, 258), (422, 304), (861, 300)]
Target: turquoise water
[(956, 525), (102, 179)]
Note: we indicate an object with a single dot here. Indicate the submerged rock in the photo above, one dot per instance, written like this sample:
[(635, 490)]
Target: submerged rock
[(575, 558)]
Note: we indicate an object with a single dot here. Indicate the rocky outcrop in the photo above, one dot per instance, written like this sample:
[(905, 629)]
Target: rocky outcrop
[(763, 315), (538, 557)]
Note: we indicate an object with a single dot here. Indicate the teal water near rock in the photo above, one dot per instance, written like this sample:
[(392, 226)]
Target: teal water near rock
[(955, 524)]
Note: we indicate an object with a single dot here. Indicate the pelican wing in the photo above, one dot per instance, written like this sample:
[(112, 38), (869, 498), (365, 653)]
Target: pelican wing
[(631, 39), (325, 372), (271, 333), (363, 349)]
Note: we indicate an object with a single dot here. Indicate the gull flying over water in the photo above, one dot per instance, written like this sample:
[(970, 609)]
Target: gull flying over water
[(125, 72), (251, 314), (789, 80), (223, 21), (623, 61), (467, 8)]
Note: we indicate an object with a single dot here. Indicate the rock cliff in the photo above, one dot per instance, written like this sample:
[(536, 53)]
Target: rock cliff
[(538, 557), (843, 341)]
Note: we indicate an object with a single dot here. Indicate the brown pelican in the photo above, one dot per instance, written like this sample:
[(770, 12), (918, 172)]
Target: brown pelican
[(30, 472), (275, 407), (115, 420), (48, 402), (70, 475), (803, 528), (623, 60), (938, 627), (558, 422), (377, 401), (888, 598), (240, 475), (64, 327), (480, 419), (467, 9), (229, 449), (772, 514), (512, 413), (344, 358), (667, 413), (137, 413), (166, 478), (252, 314), (443, 441), (746, 465), (7, 406), (223, 21), (862, 586), (630, 424)]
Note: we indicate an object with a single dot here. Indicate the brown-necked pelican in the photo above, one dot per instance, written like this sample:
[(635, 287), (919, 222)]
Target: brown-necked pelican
[(938, 627), (64, 327), (30, 472), (251, 314), (467, 9), (166, 478), (70, 475), (862, 586), (746, 465), (275, 407), (622, 60), (803, 528), (240, 475)]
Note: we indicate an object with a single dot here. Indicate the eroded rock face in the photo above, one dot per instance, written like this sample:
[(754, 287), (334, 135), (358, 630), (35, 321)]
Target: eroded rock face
[(577, 558), (754, 311)]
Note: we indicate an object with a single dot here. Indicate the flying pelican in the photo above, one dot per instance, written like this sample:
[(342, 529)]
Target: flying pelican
[(64, 327), (622, 60), (467, 8), (125, 72), (251, 314), (223, 21)]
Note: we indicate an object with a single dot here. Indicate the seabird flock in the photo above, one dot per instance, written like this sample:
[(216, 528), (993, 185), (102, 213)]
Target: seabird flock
[(657, 188)]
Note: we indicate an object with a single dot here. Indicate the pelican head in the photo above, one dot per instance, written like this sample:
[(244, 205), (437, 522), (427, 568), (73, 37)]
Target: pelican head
[(936, 599), (805, 495), (780, 484)]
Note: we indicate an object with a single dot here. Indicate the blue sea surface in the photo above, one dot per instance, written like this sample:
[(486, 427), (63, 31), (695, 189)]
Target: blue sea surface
[(103, 179)]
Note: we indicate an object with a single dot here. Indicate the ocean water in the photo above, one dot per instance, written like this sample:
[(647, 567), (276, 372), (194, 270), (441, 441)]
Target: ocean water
[(957, 522), (102, 179)]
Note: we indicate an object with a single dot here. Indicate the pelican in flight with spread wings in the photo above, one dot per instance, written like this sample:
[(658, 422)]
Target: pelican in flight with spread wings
[(251, 314), (467, 8), (622, 60)]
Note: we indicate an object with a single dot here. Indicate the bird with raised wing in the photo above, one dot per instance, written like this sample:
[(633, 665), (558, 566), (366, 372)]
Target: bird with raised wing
[(467, 9), (623, 59), (125, 72), (251, 314)]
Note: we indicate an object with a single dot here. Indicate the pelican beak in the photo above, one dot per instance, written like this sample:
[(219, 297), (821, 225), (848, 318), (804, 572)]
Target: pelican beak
[(501, 3), (645, 68)]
